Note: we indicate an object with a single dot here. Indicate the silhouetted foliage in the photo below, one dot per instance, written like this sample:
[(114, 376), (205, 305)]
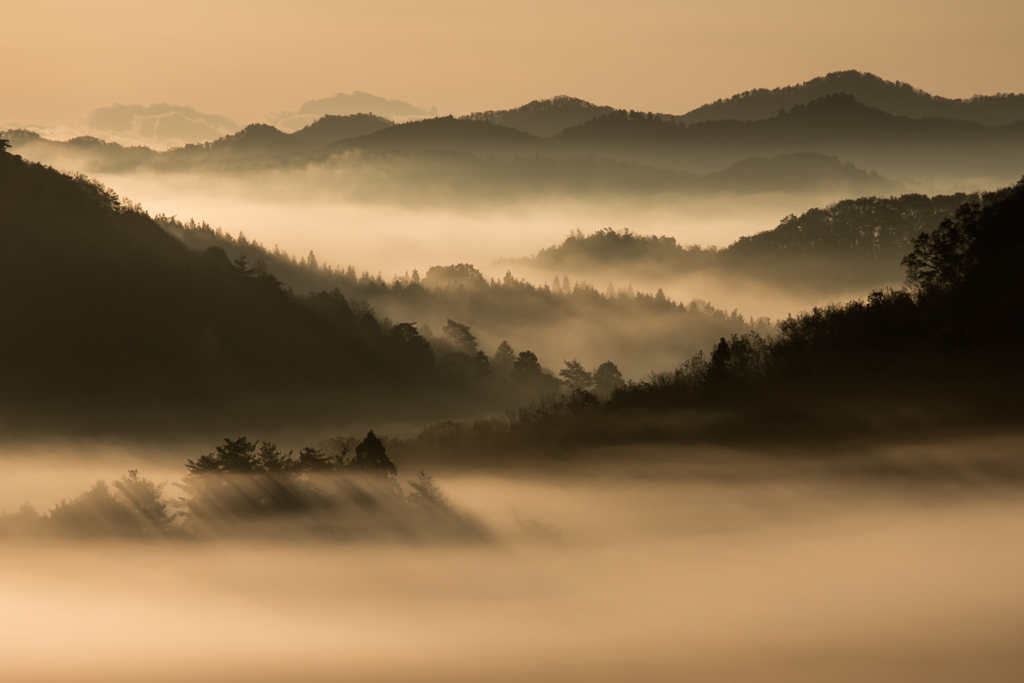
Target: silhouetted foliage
[(607, 379), (249, 487), (897, 98), (371, 456), (503, 360), (854, 240), (544, 117), (576, 376), (133, 317), (947, 353)]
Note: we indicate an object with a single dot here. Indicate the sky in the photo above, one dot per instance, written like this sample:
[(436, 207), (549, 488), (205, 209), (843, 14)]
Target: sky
[(247, 58)]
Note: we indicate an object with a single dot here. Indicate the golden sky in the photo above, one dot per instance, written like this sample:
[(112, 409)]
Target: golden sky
[(247, 58)]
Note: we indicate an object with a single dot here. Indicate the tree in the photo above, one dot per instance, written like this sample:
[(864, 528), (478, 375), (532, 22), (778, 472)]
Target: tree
[(427, 490), (143, 497), (607, 379), (575, 376), (272, 460), (315, 460), (234, 457), (720, 360), (940, 258), (503, 360), (526, 366), (372, 457), (459, 336), (413, 348)]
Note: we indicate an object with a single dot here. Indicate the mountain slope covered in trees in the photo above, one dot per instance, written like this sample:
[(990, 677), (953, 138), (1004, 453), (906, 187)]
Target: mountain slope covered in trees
[(544, 118), (939, 357), (102, 305), (901, 99)]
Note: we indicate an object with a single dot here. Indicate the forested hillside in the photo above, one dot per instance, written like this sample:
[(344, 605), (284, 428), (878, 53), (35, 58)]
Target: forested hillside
[(942, 354), (901, 99), (102, 305), (854, 241)]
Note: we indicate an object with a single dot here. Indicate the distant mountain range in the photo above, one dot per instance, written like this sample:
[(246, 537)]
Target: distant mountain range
[(160, 123), (544, 118), (342, 104), (565, 136), (896, 98)]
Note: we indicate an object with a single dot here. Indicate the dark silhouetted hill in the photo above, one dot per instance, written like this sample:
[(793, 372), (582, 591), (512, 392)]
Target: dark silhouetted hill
[(797, 172), (446, 134), (896, 98), (835, 125), (544, 118), (855, 242), (940, 357), (331, 128), (573, 318), (622, 152), (103, 308)]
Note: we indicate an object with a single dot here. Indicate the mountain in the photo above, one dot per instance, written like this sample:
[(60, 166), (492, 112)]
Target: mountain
[(544, 118), (263, 139), (342, 104), (835, 125), (463, 153), (900, 99), (160, 123), (331, 128), (102, 305), (446, 134), (852, 243), (255, 142)]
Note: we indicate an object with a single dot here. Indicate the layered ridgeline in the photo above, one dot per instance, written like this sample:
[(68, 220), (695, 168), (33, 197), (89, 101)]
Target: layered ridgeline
[(448, 159), (942, 356), (103, 308), (549, 117), (637, 329), (901, 99), (801, 149), (109, 317), (854, 242), (797, 139)]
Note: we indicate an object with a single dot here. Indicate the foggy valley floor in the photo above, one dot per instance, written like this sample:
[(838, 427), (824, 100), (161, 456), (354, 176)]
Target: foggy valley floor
[(834, 494), (740, 566)]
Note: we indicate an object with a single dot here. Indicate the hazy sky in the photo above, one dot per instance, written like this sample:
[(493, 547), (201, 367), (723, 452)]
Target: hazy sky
[(246, 58)]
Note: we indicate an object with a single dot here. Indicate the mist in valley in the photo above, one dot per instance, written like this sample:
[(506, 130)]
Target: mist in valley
[(724, 565), (442, 342)]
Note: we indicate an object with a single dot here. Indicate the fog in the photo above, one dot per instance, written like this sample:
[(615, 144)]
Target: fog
[(726, 566), (393, 239)]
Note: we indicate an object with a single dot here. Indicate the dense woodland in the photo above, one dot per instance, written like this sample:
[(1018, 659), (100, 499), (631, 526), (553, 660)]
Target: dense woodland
[(104, 309), (348, 491), (852, 242), (107, 304), (943, 353), (128, 314), (635, 328)]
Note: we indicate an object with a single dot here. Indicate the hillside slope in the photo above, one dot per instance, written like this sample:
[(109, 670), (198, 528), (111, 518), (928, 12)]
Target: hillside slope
[(896, 98)]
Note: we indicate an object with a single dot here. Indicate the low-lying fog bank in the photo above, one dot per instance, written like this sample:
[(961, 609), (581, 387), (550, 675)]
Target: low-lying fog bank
[(723, 574), (300, 215)]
